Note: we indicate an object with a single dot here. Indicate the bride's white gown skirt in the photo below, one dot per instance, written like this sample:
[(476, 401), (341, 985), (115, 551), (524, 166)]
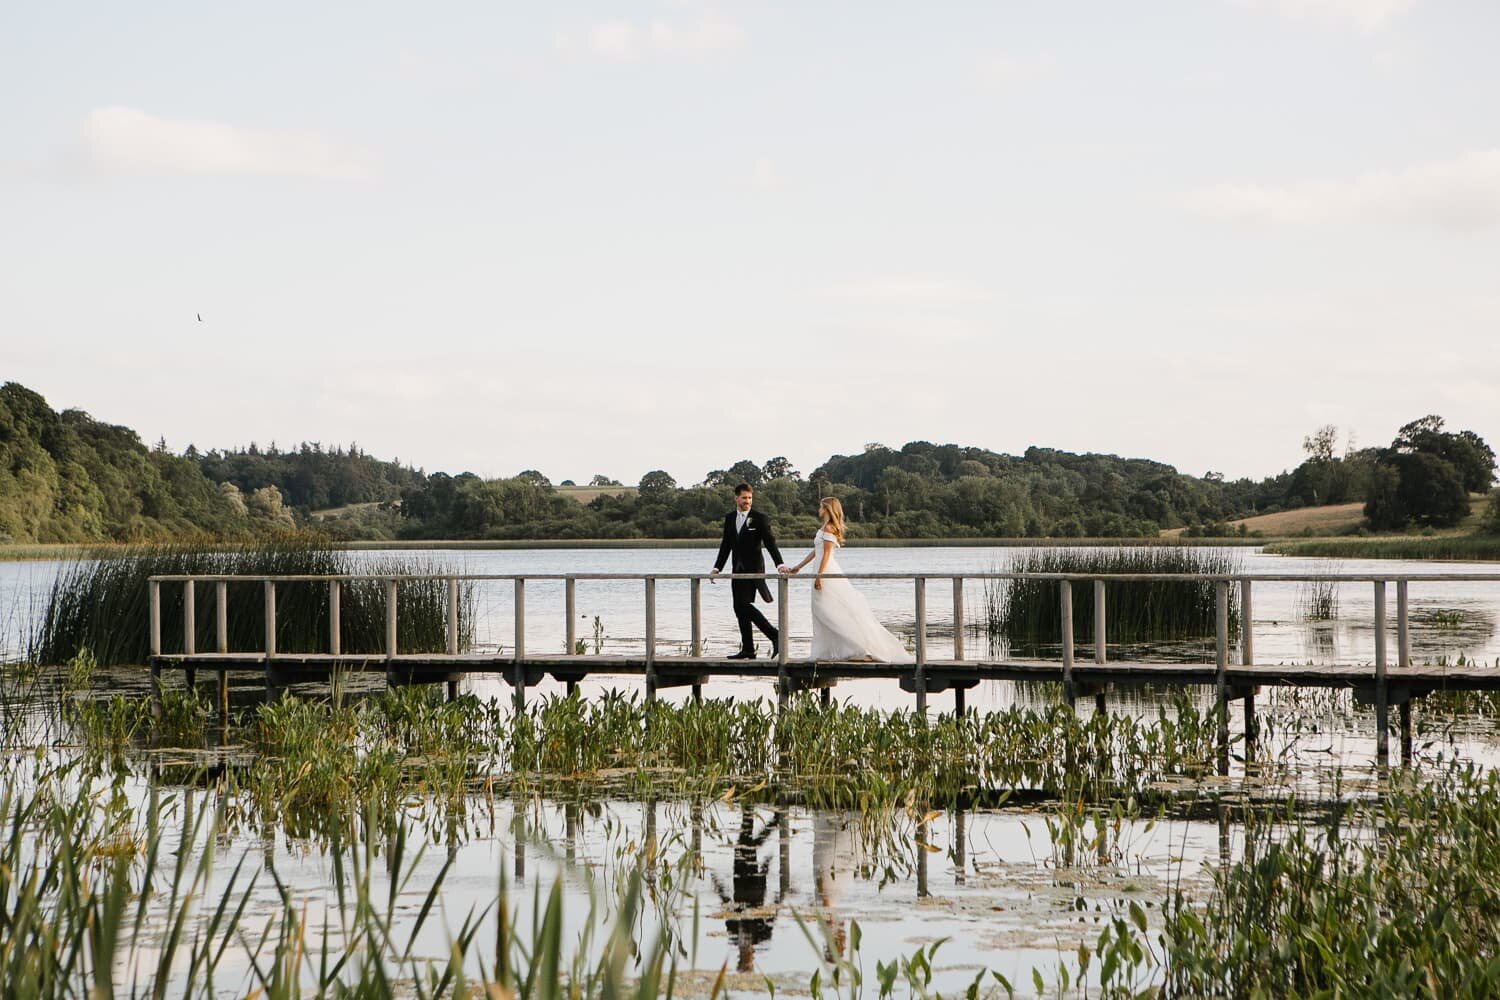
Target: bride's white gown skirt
[(844, 627)]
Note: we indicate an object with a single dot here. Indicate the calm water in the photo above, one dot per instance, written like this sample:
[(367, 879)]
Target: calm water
[(989, 880)]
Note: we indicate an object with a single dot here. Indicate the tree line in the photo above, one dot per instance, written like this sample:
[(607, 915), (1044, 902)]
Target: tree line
[(68, 477)]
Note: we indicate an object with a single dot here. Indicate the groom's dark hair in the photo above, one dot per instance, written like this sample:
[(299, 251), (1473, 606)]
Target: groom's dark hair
[(743, 488)]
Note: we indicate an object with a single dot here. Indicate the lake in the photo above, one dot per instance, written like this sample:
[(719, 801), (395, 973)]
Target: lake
[(992, 881)]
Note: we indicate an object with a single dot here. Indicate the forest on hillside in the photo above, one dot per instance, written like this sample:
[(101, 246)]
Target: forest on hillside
[(66, 477)]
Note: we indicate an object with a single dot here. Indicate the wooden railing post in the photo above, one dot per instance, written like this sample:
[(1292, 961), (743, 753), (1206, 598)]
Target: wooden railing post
[(1066, 591), (270, 600), (958, 619), (221, 644), (520, 645), (1247, 630), (921, 643), (695, 607), (1382, 706), (570, 612), (189, 618), (650, 638), (153, 593), (1403, 631), (1101, 638), (783, 640), (335, 618), (390, 620), (1403, 660), (1221, 665), (1101, 645), (270, 592), (221, 616), (1247, 658), (452, 616)]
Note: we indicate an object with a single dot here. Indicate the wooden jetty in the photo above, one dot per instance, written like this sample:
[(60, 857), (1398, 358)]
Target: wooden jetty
[(1380, 682)]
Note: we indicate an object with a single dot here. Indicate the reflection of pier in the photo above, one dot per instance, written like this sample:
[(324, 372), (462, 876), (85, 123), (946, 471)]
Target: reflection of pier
[(1379, 683)]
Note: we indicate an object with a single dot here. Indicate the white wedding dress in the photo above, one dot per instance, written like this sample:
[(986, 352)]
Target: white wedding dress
[(844, 627)]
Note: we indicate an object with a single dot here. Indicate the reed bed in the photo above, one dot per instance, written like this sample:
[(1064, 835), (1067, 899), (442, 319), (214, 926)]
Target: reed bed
[(1318, 600), (99, 899), (317, 763), (1028, 613), (101, 602), (1470, 548)]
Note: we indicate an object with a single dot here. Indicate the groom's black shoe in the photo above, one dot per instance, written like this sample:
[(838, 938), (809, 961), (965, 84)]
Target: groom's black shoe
[(744, 654)]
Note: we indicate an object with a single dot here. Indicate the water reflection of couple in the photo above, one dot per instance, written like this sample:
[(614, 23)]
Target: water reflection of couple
[(751, 917), (844, 627)]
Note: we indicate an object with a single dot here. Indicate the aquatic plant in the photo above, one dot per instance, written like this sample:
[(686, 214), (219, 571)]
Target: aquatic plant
[(1398, 895), (100, 602), (1485, 548), (1318, 599), (98, 897), (1028, 612)]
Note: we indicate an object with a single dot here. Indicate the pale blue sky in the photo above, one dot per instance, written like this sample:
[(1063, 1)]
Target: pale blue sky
[(609, 238)]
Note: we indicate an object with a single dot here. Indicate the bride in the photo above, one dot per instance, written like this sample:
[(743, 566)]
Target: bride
[(844, 627)]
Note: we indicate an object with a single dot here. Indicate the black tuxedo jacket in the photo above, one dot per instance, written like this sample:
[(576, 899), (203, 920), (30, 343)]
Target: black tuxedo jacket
[(745, 546)]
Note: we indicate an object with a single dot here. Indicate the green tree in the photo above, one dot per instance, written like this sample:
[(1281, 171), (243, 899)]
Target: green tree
[(656, 485)]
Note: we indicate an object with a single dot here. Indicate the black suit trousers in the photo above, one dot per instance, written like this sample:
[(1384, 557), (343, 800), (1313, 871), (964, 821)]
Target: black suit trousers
[(748, 614)]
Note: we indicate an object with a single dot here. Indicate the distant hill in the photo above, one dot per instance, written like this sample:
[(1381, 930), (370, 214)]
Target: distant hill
[(66, 477)]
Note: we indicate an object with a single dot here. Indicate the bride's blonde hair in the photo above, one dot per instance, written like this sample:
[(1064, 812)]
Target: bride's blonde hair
[(831, 509)]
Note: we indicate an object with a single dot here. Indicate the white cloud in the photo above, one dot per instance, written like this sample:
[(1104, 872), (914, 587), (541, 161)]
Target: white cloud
[(1366, 15), (125, 140), (911, 290), (626, 40), (1459, 194)]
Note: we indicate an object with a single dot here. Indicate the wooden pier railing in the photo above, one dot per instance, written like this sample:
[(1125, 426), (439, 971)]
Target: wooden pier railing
[(1373, 682)]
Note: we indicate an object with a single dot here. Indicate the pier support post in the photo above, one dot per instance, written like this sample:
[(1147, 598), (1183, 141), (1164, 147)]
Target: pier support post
[(1221, 663), (921, 637), (1066, 592), (1405, 716), (958, 702), (1382, 703)]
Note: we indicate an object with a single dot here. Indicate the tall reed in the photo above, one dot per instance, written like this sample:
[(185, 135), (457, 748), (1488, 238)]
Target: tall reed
[(101, 601), (1028, 612)]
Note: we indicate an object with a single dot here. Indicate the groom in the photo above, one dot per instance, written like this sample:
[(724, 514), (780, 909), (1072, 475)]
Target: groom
[(745, 530)]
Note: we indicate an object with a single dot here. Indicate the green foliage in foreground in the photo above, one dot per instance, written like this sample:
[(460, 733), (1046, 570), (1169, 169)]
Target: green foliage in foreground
[(96, 894), (1398, 896)]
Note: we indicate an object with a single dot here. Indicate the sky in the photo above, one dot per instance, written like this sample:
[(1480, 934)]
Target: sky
[(609, 238)]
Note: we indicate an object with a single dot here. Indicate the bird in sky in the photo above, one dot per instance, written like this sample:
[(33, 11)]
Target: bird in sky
[(200, 317)]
